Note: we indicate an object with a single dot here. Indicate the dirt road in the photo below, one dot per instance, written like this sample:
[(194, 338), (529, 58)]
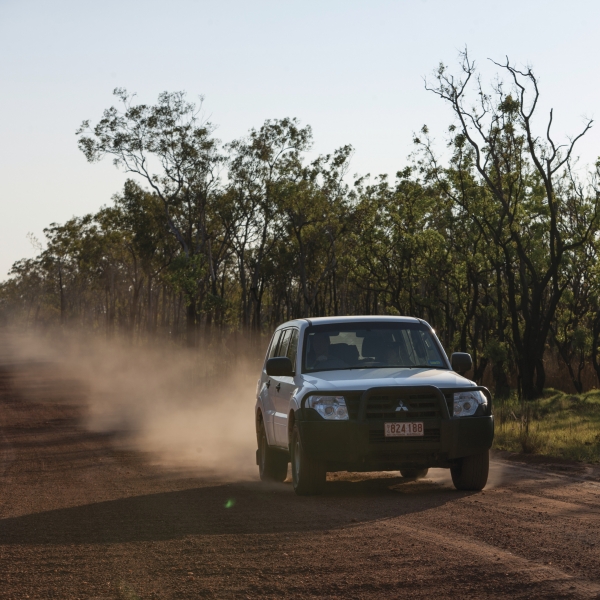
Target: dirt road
[(82, 518)]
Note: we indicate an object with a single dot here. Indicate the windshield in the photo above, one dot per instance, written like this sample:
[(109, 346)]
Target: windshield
[(370, 345)]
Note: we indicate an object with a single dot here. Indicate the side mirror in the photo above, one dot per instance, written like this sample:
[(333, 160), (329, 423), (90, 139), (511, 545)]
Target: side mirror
[(280, 366), (461, 362)]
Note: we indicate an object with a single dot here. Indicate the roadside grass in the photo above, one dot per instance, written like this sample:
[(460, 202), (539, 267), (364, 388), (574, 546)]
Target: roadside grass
[(558, 425)]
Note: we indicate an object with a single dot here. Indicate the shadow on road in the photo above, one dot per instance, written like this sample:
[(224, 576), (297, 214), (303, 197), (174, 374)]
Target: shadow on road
[(242, 508)]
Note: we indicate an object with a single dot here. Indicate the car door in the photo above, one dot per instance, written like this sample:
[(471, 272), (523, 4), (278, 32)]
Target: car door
[(283, 387), (266, 397)]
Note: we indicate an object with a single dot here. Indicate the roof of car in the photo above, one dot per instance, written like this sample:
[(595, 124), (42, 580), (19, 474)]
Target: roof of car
[(356, 319)]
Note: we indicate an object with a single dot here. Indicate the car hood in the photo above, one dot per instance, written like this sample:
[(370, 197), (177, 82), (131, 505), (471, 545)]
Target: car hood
[(362, 379)]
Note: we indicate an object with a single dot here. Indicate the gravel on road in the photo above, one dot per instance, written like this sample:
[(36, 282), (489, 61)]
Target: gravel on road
[(81, 516)]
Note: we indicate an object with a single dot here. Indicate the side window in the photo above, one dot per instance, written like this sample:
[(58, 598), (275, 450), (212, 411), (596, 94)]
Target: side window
[(285, 342), (293, 347), (274, 344)]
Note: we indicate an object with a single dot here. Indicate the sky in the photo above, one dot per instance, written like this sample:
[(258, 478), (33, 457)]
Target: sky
[(351, 69)]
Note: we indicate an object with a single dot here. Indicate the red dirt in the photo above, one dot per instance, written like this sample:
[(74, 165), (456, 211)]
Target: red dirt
[(82, 518)]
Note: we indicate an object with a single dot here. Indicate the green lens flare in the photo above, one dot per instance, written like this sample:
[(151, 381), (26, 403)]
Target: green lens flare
[(230, 503)]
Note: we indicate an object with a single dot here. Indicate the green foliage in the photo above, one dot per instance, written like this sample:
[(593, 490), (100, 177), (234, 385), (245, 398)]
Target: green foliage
[(559, 424), (519, 191), (497, 247), (183, 274), (497, 352)]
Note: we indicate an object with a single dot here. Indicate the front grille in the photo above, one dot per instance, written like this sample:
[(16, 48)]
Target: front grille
[(403, 407), (377, 436), (353, 404), (449, 401)]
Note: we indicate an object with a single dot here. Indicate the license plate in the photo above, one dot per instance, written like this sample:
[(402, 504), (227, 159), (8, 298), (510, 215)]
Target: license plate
[(403, 429)]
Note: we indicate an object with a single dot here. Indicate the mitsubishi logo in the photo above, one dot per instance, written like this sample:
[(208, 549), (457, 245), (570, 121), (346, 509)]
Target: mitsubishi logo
[(401, 407)]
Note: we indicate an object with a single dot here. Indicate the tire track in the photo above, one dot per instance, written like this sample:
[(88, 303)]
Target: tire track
[(517, 564)]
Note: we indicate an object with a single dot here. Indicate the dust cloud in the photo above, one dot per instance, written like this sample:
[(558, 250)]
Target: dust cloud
[(190, 410)]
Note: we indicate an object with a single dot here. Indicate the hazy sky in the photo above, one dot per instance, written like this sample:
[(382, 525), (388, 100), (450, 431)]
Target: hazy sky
[(351, 69)]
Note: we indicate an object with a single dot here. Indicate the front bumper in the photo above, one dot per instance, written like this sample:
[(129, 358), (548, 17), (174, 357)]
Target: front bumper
[(360, 444)]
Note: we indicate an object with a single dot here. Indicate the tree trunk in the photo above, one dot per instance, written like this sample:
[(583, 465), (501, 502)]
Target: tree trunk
[(540, 379), (526, 373), (62, 296), (191, 323), (501, 386), (149, 315), (480, 369)]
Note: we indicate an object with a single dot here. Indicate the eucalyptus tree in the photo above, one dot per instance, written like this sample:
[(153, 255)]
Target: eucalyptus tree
[(63, 262), (468, 306), (86, 256), (173, 150), (579, 318), (401, 255), (532, 210), (314, 211), (27, 297), (570, 332), (138, 217), (261, 168)]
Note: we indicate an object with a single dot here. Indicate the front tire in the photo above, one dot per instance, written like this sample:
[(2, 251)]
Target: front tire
[(272, 465), (413, 473), (308, 474), (471, 472)]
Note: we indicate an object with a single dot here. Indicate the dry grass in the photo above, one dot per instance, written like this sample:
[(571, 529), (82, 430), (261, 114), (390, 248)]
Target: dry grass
[(559, 425)]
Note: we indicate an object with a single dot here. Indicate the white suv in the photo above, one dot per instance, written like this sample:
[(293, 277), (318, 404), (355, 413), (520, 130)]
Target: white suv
[(368, 394)]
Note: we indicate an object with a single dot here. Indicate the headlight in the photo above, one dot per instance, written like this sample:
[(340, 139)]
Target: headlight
[(329, 407), (467, 403)]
